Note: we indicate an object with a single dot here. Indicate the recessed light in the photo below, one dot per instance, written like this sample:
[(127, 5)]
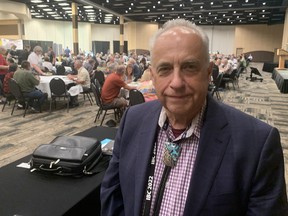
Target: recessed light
[(42, 6)]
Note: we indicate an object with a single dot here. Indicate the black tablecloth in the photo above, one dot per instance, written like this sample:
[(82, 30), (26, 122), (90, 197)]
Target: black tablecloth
[(34, 194), (281, 79), (269, 66)]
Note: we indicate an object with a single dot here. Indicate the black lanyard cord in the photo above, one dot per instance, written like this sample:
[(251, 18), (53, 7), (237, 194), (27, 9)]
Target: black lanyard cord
[(161, 190)]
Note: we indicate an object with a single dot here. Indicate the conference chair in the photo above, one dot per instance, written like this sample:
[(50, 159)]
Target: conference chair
[(58, 90), (135, 97), (230, 79), (99, 75), (215, 88), (19, 97), (9, 97), (60, 70), (102, 107), (86, 93), (254, 78)]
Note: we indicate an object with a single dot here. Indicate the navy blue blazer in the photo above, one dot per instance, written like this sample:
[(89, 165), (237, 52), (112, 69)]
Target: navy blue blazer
[(239, 168)]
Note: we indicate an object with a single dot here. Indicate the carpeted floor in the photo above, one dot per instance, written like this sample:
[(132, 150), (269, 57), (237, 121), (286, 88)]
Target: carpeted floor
[(19, 136)]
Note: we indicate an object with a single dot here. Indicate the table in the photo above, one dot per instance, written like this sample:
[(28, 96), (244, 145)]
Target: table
[(33, 194), (146, 88), (45, 80), (281, 79), (269, 66)]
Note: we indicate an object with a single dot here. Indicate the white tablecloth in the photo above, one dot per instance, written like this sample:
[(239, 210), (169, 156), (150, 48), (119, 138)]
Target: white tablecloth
[(45, 80)]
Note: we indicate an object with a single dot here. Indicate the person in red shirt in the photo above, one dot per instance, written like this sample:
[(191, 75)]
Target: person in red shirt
[(111, 88), (3, 68)]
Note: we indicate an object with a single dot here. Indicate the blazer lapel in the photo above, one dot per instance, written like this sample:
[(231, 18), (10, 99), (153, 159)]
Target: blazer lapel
[(214, 138), (145, 144)]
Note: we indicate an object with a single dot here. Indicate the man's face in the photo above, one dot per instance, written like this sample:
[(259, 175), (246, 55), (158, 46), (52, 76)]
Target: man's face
[(180, 72)]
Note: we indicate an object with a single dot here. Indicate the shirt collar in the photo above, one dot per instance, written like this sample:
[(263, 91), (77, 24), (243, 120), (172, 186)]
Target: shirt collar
[(196, 121)]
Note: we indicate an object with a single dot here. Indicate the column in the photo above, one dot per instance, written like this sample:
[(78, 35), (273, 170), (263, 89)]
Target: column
[(75, 28), (121, 34), (285, 33)]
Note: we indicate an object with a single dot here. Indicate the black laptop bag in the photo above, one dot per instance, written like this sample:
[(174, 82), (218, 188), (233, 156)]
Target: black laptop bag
[(69, 156)]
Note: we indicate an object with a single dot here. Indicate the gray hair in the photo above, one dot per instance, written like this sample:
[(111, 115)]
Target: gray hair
[(120, 69), (186, 24), (37, 48)]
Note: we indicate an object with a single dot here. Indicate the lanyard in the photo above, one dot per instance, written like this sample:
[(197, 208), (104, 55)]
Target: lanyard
[(164, 178)]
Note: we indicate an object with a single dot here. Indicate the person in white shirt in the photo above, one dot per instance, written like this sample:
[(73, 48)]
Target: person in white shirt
[(35, 59)]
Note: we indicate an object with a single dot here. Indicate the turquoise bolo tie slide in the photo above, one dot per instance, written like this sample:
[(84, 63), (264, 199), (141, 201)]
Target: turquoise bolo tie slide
[(171, 154)]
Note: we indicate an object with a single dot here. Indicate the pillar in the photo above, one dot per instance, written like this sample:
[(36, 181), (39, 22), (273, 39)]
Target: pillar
[(121, 34), (75, 28)]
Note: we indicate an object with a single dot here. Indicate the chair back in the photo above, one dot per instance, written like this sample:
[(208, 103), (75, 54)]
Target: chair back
[(97, 94), (60, 70), (57, 87), (15, 89), (135, 97), (218, 81), (99, 75)]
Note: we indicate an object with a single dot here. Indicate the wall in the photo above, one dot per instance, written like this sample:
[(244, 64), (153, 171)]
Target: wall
[(223, 39)]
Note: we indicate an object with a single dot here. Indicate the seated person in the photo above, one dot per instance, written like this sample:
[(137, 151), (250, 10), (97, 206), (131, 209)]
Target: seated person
[(89, 66), (111, 89), (47, 65), (146, 76), (35, 59), (82, 78), (12, 68), (136, 70), (28, 82), (129, 73)]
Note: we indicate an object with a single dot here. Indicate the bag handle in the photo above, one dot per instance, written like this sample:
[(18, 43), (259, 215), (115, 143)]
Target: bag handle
[(43, 168)]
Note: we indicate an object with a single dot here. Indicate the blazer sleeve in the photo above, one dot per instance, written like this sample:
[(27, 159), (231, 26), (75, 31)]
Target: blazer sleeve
[(111, 196), (268, 195)]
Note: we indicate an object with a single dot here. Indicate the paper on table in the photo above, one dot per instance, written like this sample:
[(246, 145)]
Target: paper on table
[(24, 165)]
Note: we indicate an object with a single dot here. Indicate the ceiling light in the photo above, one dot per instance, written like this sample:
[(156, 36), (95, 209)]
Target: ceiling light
[(39, 16), (66, 8), (212, 3), (42, 6), (89, 10), (36, 1), (108, 15), (47, 9), (264, 3), (87, 6), (63, 4)]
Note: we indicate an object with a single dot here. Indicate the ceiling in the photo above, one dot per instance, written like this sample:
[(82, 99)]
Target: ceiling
[(202, 12)]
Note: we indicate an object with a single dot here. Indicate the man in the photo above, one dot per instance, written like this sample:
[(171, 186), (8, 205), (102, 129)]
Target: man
[(51, 55), (35, 59), (111, 89), (28, 82), (188, 154), (136, 70), (82, 78)]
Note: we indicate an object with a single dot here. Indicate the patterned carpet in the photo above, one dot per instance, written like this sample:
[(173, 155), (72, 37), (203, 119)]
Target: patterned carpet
[(19, 136)]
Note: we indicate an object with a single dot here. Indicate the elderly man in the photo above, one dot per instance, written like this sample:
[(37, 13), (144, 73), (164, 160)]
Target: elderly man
[(35, 59), (186, 153), (27, 82), (112, 85), (82, 78)]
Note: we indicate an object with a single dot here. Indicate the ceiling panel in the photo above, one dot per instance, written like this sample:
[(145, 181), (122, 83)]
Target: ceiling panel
[(202, 12)]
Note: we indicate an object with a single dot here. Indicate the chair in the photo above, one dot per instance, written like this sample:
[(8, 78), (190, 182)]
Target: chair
[(60, 70), (135, 97), (99, 75), (215, 88), (102, 107), (254, 78), (230, 79), (86, 92), (19, 97), (9, 97), (58, 90)]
